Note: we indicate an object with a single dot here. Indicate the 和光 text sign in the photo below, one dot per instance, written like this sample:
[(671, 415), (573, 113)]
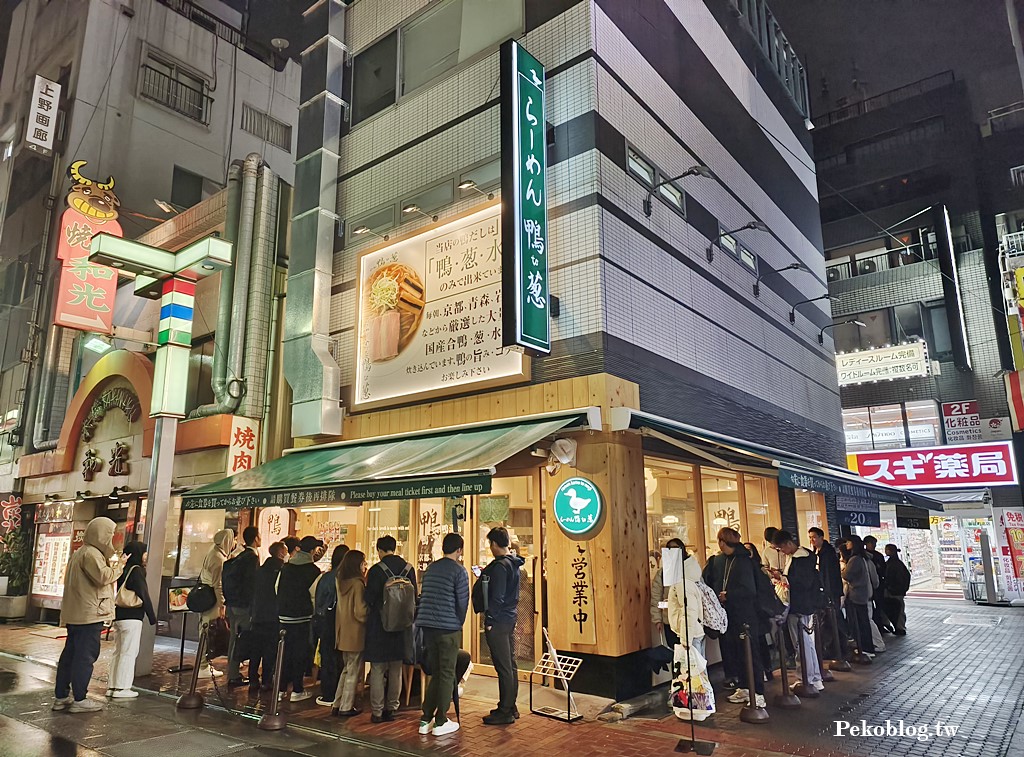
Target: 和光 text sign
[(883, 364), (949, 467), (962, 422)]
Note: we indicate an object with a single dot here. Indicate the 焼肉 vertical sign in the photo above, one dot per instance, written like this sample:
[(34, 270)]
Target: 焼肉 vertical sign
[(524, 218)]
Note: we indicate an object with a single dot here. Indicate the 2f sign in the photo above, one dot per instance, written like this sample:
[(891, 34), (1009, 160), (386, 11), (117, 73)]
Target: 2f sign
[(526, 318)]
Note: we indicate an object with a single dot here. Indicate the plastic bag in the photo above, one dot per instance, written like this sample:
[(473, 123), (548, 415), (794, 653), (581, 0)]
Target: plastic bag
[(690, 677)]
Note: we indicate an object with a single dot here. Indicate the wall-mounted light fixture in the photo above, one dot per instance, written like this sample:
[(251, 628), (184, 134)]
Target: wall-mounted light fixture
[(470, 184), (792, 310), (700, 170), (753, 225), (360, 230), (821, 334), (412, 208), (790, 267)]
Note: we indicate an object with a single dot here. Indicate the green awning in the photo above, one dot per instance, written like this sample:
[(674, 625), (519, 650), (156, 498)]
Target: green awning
[(451, 464)]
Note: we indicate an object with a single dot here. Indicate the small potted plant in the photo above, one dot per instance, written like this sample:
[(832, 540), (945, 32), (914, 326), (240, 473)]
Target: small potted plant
[(15, 563)]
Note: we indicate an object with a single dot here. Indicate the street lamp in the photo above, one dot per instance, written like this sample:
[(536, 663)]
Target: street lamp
[(821, 334), (790, 267), (792, 310), (699, 170), (753, 225)]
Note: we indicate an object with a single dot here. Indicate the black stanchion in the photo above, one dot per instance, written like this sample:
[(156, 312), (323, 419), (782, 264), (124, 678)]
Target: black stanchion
[(826, 674), (181, 667), (194, 700), (787, 700), (803, 688), (839, 664), (751, 713), (275, 720)]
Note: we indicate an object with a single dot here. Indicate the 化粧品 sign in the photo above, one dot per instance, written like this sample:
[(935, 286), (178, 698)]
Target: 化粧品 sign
[(962, 422), (524, 217)]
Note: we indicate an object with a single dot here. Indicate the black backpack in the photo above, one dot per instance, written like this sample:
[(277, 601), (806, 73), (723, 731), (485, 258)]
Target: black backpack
[(233, 582)]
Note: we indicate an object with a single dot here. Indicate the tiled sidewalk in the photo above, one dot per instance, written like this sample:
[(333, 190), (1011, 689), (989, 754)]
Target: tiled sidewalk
[(960, 664)]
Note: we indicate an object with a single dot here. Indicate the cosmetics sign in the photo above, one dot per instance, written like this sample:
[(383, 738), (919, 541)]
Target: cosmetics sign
[(430, 314)]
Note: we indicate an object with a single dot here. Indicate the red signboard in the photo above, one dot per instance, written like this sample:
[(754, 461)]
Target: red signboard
[(949, 467), (1015, 539), (962, 422)]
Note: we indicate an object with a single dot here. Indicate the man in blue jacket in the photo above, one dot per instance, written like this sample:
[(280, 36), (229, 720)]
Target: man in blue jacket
[(500, 624), (442, 612)]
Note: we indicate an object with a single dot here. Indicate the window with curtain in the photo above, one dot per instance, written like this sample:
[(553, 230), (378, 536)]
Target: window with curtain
[(720, 491), (887, 430), (671, 505), (857, 427), (758, 506)]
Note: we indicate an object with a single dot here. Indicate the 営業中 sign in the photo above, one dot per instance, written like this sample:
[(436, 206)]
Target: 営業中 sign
[(430, 313), (577, 506), (883, 364), (524, 218), (962, 422), (41, 125), (949, 467)]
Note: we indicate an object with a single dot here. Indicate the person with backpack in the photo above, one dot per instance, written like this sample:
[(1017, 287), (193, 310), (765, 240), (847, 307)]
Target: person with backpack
[(858, 588), (131, 605), (265, 623), (295, 612), (237, 578), (325, 604), (350, 630), (499, 611), (390, 610), (806, 599), (686, 605)]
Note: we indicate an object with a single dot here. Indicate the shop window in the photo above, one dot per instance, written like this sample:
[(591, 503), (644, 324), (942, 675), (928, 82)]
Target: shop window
[(386, 518), (810, 512), (170, 555), (760, 494), (924, 423), (721, 495), (374, 78), (857, 427), (887, 429), (671, 506), (197, 531)]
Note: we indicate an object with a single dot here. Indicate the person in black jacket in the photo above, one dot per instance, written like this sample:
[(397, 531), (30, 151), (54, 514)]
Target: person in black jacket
[(731, 574), (832, 582), (295, 611), (265, 623), (897, 584), (500, 623), (879, 616), (237, 578), (128, 621), (806, 598), (385, 650)]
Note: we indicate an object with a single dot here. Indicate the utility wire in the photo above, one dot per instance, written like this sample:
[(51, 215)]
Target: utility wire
[(106, 83)]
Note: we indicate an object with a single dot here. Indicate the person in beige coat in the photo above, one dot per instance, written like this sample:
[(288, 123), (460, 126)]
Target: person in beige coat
[(88, 603), (686, 605), (213, 567), (350, 629)]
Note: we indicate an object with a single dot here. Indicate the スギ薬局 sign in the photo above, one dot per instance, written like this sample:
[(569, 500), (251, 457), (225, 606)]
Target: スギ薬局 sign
[(883, 364), (949, 467)]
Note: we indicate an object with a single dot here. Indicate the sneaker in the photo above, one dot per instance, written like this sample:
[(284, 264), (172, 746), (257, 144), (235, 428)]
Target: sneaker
[(818, 685), (426, 726), (388, 716), (110, 692), (299, 696), (234, 683), (124, 694), (450, 726), (731, 683), (61, 704), (214, 673), (324, 702), (282, 696), (739, 696), (86, 705), (759, 701), (499, 718)]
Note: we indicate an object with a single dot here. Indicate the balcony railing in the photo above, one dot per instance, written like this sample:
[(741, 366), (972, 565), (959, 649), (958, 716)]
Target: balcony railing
[(179, 97), (1013, 244), (840, 270), (225, 31), (885, 99)]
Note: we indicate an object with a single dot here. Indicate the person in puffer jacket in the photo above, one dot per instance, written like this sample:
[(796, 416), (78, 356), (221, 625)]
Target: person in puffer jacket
[(685, 618)]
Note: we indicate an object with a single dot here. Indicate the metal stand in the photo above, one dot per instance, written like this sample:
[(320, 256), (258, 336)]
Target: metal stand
[(562, 668), (275, 720), (181, 667), (826, 674), (787, 700), (751, 713), (838, 665), (803, 687), (193, 700)]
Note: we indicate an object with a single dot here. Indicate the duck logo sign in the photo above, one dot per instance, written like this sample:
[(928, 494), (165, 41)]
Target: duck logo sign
[(578, 507)]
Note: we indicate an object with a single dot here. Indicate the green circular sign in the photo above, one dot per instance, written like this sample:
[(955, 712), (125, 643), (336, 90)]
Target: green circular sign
[(578, 506)]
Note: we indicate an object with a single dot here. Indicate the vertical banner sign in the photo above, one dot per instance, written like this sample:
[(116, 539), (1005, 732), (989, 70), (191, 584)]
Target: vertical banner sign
[(583, 615), (526, 318), (244, 444), (41, 126), (962, 422)]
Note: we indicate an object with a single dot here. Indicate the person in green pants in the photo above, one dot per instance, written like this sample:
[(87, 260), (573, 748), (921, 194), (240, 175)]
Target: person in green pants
[(444, 602)]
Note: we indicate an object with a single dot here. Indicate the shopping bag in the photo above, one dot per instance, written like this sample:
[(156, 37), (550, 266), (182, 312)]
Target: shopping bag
[(691, 688), (217, 638)]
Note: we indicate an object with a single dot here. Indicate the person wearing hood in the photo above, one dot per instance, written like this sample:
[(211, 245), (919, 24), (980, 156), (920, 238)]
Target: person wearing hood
[(385, 650), (685, 605), (350, 630), (500, 623), (87, 604), (659, 598), (806, 599), (211, 574), (295, 612), (132, 604), (731, 574)]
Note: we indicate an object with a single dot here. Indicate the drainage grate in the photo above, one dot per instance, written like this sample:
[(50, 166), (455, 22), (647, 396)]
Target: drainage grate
[(972, 620), (181, 744)]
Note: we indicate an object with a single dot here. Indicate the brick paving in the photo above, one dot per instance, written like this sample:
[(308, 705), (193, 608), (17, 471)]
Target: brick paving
[(961, 664)]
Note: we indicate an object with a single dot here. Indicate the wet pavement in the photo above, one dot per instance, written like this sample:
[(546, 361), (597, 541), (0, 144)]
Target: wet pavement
[(960, 665)]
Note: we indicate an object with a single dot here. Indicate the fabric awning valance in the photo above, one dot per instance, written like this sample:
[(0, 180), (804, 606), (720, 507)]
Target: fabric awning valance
[(793, 470), (444, 463)]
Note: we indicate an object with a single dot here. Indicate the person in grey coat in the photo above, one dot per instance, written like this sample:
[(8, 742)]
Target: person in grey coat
[(859, 583)]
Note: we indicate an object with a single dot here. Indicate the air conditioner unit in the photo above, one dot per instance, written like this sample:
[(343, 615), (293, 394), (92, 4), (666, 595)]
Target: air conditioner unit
[(832, 273), (866, 266)]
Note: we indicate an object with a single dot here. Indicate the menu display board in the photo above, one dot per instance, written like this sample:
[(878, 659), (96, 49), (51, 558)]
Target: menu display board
[(53, 550)]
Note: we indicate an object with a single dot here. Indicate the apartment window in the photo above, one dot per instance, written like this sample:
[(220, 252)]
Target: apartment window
[(454, 32), (188, 188), (748, 259), (673, 195), (907, 323), (375, 78), (857, 427), (887, 428), (266, 127), (640, 167), (895, 426), (940, 345), (175, 88)]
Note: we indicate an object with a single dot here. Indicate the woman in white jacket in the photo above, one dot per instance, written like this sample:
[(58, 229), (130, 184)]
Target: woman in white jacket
[(686, 619)]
